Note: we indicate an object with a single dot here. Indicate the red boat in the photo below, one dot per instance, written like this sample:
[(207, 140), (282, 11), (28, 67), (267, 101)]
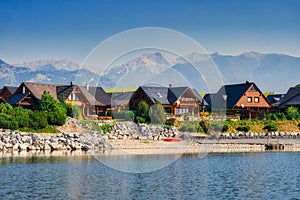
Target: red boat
[(173, 140)]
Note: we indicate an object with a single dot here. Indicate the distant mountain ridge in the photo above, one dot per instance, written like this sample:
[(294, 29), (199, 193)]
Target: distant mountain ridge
[(271, 72)]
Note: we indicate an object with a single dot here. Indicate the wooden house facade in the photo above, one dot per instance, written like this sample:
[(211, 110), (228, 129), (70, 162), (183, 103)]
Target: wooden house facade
[(244, 99), (175, 100)]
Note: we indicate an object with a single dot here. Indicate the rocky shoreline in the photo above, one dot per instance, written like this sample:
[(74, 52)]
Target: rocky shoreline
[(128, 135)]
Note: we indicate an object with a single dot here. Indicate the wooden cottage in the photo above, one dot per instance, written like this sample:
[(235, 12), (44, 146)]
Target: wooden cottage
[(29, 94), (175, 100), (244, 99)]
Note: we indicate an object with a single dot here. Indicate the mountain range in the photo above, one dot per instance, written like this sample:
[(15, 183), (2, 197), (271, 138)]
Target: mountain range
[(271, 72)]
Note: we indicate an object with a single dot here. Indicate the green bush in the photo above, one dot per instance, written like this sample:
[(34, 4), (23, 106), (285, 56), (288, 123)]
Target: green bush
[(7, 122), (124, 115), (157, 113), (106, 128), (243, 128), (270, 127), (56, 111), (292, 113), (38, 120), (140, 119), (21, 115), (204, 124), (72, 110), (142, 112)]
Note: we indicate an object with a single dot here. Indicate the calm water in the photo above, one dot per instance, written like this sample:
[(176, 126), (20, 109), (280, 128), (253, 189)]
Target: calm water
[(273, 175)]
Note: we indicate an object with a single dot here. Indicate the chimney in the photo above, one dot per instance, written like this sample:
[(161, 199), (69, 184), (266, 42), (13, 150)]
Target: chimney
[(72, 83), (87, 87), (170, 85), (247, 81)]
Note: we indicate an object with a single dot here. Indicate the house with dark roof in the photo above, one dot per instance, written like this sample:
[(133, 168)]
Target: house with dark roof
[(244, 99), (291, 98), (175, 100), (29, 94), (6, 93), (274, 99)]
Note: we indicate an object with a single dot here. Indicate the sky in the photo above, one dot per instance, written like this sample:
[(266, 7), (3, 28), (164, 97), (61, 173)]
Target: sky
[(56, 29)]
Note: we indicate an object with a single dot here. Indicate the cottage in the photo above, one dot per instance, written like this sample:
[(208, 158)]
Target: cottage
[(175, 100), (244, 99), (291, 98), (29, 94)]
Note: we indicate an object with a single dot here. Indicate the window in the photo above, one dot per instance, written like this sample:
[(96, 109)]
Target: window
[(249, 99), (256, 99), (75, 97)]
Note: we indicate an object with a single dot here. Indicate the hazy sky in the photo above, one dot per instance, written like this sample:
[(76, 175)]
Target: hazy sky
[(42, 29)]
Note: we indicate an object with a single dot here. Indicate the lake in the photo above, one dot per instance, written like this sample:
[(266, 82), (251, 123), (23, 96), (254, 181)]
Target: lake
[(270, 175)]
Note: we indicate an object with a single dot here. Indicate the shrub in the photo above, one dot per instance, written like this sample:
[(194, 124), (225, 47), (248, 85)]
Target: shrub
[(56, 111), (243, 128), (38, 120), (7, 122), (106, 128), (292, 113), (142, 112), (204, 124), (270, 127), (157, 113), (72, 110), (140, 119), (125, 115), (21, 116)]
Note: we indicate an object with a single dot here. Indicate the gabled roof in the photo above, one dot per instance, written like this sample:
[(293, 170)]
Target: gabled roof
[(64, 92), (37, 89), (167, 95), (291, 98), (229, 95), (89, 97), (158, 94), (120, 98), (100, 95), (11, 89), (274, 99), (209, 97)]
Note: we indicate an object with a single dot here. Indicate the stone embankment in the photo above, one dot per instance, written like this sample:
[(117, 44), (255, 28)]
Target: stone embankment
[(130, 130), (14, 140), (131, 135)]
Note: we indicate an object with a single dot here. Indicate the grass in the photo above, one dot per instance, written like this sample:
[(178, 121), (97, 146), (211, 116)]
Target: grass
[(48, 129), (112, 90)]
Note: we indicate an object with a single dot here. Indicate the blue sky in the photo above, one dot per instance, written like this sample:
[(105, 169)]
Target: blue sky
[(43, 29)]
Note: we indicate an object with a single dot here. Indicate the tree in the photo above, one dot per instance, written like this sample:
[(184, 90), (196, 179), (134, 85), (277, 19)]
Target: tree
[(142, 112), (55, 110), (292, 113), (157, 113), (297, 86)]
